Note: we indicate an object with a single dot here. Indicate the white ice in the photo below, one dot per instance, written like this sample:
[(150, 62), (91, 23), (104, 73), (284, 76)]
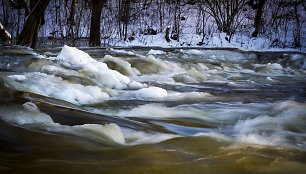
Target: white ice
[(100, 74), (156, 52), (122, 51), (56, 87), (150, 93)]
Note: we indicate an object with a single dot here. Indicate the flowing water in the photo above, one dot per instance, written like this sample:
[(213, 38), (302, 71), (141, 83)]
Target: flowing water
[(152, 110)]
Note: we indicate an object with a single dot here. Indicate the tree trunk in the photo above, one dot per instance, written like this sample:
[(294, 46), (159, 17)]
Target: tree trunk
[(167, 36), (257, 20), (161, 16), (297, 31), (126, 16), (72, 22), (94, 36), (29, 33)]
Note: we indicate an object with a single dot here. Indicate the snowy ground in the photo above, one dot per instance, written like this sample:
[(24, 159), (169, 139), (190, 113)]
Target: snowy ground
[(218, 40)]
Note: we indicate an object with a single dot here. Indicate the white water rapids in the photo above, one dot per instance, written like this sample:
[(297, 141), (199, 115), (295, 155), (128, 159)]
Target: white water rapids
[(246, 100)]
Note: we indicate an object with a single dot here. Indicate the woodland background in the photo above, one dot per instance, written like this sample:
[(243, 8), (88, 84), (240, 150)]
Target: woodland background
[(49, 23)]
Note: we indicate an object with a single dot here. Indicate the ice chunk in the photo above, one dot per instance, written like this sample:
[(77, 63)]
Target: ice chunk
[(192, 51), (150, 93), (131, 53), (18, 78), (97, 72), (156, 52), (136, 85), (49, 85), (73, 57)]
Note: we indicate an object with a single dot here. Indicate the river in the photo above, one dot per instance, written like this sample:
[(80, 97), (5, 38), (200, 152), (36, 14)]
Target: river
[(152, 110)]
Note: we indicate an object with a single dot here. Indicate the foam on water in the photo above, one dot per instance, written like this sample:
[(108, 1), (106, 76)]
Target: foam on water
[(278, 124), (221, 55), (38, 64), (133, 137), (120, 65), (235, 76), (36, 120), (100, 133), (108, 133), (22, 115), (299, 60), (199, 76), (215, 135), (274, 68), (160, 111), (151, 65), (161, 78), (184, 78), (189, 96), (56, 87)]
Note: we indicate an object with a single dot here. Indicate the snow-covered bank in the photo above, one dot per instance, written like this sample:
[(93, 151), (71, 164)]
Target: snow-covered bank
[(218, 40)]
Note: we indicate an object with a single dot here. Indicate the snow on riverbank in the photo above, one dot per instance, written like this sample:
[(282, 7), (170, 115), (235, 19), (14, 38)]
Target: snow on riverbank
[(218, 40)]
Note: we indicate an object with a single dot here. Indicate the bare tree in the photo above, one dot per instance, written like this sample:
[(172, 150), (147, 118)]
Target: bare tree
[(259, 5), (124, 16), (71, 21), (225, 14), (35, 19), (95, 34)]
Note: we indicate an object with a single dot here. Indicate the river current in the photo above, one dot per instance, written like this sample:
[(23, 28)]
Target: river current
[(152, 110)]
